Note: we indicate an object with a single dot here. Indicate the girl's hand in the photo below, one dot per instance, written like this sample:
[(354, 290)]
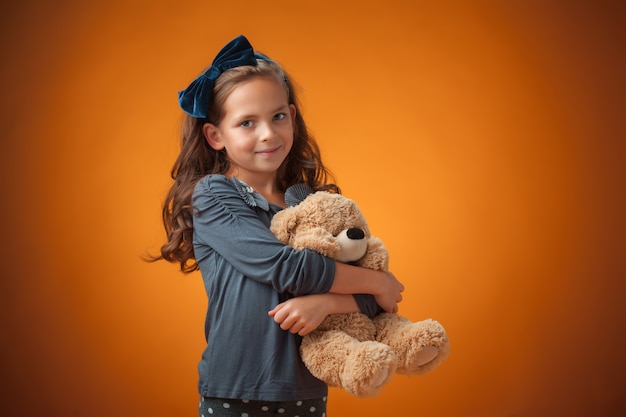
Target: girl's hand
[(389, 294), (304, 314)]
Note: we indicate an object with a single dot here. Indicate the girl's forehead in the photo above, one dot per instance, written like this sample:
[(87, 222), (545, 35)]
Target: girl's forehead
[(257, 92)]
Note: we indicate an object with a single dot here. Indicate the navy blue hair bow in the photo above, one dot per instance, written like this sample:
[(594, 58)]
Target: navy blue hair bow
[(196, 98)]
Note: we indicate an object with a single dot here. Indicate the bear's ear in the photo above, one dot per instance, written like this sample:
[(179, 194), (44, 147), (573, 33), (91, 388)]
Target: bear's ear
[(283, 223), (296, 193)]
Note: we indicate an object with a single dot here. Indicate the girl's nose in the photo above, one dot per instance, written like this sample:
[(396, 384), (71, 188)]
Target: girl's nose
[(266, 132)]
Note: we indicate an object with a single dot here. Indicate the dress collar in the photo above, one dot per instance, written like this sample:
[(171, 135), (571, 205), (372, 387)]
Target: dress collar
[(251, 197)]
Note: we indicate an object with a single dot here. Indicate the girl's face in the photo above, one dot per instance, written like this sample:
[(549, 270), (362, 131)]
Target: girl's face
[(256, 131)]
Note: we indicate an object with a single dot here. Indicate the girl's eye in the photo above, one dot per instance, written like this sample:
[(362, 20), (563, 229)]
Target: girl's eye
[(246, 123), (280, 116)]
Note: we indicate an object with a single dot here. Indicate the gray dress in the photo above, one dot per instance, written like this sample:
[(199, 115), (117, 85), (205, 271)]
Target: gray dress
[(247, 272)]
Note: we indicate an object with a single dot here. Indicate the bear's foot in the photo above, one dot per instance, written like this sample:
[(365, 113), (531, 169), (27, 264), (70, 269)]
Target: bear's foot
[(426, 355), (420, 347), (369, 365)]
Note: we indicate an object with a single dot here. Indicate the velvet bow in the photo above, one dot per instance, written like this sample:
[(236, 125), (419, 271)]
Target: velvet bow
[(195, 99)]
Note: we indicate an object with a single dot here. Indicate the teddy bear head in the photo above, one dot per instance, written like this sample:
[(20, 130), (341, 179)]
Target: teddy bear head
[(330, 224)]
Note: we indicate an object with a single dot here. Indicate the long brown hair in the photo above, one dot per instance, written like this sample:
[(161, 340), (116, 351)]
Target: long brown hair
[(197, 159)]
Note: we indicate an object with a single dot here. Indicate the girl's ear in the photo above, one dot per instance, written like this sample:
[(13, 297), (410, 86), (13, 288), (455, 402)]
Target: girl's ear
[(292, 109), (212, 136)]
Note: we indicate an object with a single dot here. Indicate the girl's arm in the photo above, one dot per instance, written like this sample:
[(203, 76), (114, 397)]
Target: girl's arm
[(385, 288), (303, 314)]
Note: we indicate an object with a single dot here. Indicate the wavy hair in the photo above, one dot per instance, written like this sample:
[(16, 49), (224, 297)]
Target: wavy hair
[(197, 159)]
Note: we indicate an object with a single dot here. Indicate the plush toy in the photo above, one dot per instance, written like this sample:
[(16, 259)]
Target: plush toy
[(352, 351)]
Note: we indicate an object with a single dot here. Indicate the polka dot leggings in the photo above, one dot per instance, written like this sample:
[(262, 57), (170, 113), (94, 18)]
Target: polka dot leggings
[(219, 407)]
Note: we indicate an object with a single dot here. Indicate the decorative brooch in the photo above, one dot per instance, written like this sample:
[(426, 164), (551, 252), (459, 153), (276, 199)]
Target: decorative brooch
[(251, 197)]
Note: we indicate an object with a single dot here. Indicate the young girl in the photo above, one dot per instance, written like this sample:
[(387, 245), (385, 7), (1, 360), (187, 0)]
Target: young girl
[(244, 143)]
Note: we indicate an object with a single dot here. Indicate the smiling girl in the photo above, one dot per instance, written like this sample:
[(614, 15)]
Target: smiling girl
[(244, 143)]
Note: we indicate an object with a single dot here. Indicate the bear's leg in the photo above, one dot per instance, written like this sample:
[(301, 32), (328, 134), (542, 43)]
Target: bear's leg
[(420, 347), (360, 368)]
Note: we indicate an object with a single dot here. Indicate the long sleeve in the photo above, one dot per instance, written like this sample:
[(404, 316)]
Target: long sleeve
[(225, 223), (247, 272), (367, 304)]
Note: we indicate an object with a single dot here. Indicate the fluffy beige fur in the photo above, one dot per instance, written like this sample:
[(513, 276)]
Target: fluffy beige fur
[(352, 351)]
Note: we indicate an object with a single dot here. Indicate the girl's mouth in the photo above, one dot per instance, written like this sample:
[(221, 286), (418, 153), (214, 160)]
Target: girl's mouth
[(268, 151)]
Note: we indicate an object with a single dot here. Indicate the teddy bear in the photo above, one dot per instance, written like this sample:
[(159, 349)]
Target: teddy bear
[(352, 351)]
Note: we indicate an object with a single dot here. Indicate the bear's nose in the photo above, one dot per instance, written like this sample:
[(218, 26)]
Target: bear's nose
[(355, 233)]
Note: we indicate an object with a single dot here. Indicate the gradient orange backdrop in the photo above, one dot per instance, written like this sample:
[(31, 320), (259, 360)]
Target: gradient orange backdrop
[(483, 140)]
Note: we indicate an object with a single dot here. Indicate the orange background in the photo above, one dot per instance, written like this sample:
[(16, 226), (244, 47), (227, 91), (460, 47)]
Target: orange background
[(483, 140)]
